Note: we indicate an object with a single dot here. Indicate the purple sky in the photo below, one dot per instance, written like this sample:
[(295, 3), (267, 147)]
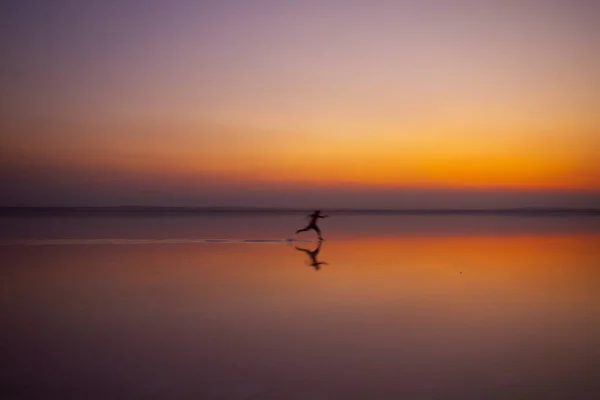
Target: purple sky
[(308, 103)]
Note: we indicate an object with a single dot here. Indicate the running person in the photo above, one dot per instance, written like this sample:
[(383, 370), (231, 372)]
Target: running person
[(314, 217)]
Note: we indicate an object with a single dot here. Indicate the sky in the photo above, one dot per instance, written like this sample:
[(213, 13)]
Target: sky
[(300, 103)]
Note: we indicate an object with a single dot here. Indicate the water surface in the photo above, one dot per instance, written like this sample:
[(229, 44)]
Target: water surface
[(397, 307)]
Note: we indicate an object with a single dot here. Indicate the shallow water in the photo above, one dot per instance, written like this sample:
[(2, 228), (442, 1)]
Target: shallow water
[(405, 307)]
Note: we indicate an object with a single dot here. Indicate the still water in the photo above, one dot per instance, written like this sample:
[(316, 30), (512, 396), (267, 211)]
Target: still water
[(412, 307)]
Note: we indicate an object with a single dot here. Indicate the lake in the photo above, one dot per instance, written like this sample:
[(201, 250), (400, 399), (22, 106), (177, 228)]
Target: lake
[(222, 307)]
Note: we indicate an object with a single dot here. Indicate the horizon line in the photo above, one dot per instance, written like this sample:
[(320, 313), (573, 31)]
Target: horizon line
[(138, 209)]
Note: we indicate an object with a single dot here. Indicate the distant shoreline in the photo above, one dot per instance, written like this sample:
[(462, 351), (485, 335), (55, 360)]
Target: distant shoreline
[(158, 210)]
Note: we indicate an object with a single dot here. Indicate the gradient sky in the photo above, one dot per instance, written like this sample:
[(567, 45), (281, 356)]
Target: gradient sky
[(305, 103)]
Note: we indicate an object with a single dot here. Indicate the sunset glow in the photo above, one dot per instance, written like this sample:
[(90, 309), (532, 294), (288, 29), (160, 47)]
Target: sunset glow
[(221, 96)]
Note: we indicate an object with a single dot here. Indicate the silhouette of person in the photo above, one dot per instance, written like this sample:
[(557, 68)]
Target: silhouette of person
[(312, 256), (314, 217)]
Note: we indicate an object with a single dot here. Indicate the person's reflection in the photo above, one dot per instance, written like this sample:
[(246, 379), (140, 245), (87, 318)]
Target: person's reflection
[(312, 256)]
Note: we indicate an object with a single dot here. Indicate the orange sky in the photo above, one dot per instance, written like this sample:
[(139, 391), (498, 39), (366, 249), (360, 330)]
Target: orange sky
[(375, 94)]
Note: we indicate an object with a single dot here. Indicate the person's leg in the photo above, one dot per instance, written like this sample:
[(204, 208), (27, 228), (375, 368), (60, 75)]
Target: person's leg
[(316, 228), (303, 229)]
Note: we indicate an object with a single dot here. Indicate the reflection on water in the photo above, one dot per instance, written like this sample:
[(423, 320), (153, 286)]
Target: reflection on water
[(312, 255), (391, 316)]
